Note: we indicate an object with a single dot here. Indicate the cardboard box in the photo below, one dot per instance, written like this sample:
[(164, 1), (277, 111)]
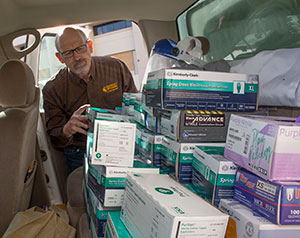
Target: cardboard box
[(176, 158), (243, 223), (278, 202), (115, 227), (201, 90), (266, 146), (111, 139), (152, 123), (158, 206), (108, 182), (212, 174), (98, 214), (148, 147), (194, 126), (128, 100)]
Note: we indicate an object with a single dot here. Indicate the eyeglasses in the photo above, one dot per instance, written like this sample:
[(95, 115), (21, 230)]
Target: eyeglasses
[(79, 50)]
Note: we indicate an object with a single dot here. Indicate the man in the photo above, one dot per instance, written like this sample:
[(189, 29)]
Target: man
[(85, 81)]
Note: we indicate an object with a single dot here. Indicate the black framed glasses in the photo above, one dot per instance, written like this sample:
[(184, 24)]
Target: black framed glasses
[(79, 50)]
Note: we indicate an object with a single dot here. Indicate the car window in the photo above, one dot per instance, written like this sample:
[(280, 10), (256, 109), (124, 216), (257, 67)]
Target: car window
[(239, 29), (48, 63)]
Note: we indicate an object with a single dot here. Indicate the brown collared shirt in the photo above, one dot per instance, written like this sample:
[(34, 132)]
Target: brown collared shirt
[(66, 92)]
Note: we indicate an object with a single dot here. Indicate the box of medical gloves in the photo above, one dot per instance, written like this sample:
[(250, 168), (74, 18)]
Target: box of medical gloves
[(243, 223), (193, 126), (158, 206), (266, 146), (278, 202), (212, 174), (115, 227), (111, 138), (98, 214), (108, 182), (201, 90), (176, 158)]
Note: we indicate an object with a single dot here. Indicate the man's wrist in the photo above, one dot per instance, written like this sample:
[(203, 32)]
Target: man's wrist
[(65, 134)]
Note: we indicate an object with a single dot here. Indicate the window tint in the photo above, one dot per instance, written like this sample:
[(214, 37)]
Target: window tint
[(110, 27), (239, 29)]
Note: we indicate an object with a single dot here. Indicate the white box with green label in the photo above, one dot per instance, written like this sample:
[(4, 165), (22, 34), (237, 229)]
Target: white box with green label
[(111, 138), (201, 90), (108, 182), (158, 206), (212, 174)]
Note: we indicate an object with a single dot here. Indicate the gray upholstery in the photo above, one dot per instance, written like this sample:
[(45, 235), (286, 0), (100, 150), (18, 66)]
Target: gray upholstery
[(19, 103), (76, 205), (83, 227)]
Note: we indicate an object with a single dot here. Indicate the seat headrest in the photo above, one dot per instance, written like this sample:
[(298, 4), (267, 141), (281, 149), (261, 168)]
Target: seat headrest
[(17, 84)]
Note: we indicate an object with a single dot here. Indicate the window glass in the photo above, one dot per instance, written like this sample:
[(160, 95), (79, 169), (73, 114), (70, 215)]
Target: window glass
[(110, 27), (48, 63), (238, 29)]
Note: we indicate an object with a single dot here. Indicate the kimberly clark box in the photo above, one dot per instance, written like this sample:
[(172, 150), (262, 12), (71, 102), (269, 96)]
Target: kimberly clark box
[(176, 158), (212, 174), (266, 146), (243, 223), (278, 202), (194, 126), (158, 206), (115, 227), (111, 139), (108, 182), (201, 90), (148, 147), (98, 214)]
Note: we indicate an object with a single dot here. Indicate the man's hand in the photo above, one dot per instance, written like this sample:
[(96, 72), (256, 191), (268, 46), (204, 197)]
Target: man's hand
[(77, 123)]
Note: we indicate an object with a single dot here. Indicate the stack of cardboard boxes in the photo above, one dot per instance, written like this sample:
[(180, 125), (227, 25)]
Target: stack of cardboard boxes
[(174, 134), (109, 157), (267, 149)]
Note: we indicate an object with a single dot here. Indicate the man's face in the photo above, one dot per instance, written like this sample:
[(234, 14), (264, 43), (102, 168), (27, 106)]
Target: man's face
[(79, 63)]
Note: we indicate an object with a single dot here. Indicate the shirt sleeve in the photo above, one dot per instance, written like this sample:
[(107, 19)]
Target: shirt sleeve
[(55, 118)]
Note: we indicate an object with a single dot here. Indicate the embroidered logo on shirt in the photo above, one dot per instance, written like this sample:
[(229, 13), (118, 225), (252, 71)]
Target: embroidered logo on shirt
[(110, 87)]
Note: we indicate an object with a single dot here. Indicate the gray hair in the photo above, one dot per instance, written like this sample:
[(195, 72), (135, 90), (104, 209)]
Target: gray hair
[(60, 33)]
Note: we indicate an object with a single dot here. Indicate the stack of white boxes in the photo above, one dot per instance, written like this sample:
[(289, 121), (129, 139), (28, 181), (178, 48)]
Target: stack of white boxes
[(109, 157)]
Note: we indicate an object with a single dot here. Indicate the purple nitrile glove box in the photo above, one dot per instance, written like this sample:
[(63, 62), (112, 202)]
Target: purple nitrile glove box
[(267, 146), (278, 202)]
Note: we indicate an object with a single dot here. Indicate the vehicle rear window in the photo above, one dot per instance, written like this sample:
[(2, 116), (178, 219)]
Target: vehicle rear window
[(239, 29)]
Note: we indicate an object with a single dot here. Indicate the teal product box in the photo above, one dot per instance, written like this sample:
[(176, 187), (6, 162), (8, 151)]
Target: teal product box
[(243, 223), (212, 174), (138, 113), (111, 138), (152, 123), (128, 100), (115, 227), (98, 214), (201, 90), (194, 126), (279, 202), (108, 182), (176, 158), (148, 147)]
